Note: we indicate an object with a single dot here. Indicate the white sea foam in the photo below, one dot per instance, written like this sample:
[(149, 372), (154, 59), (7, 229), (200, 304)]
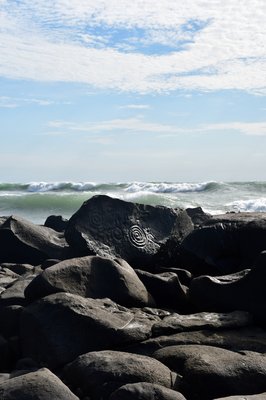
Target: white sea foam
[(251, 205), (166, 187), (56, 186)]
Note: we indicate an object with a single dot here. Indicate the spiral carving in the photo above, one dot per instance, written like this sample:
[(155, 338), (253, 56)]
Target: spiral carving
[(137, 236), (96, 221)]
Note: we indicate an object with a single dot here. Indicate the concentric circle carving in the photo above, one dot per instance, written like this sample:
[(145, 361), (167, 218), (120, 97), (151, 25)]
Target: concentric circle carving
[(96, 220), (137, 236)]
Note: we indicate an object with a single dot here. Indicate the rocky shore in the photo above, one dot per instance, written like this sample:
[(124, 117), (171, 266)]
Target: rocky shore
[(129, 301)]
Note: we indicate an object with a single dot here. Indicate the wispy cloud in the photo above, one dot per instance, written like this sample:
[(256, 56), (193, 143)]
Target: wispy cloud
[(15, 102), (170, 45), (136, 106), (139, 125), (248, 128), (125, 125)]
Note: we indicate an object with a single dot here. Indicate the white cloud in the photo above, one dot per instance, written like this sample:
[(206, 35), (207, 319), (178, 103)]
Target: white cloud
[(15, 102), (61, 40), (139, 125), (127, 125), (136, 106), (248, 128)]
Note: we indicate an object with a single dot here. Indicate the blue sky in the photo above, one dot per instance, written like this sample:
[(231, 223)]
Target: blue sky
[(115, 90)]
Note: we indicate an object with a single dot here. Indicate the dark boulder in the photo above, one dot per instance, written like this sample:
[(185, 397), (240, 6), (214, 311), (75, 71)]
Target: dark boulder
[(173, 255), (24, 242), (39, 385), (56, 222), (9, 320), (116, 228), (261, 396), (15, 293), (56, 329), (99, 373), (166, 290), (19, 269), (241, 291), (7, 277), (4, 354), (229, 242), (179, 323), (145, 391), (209, 372), (95, 277), (198, 216), (235, 339)]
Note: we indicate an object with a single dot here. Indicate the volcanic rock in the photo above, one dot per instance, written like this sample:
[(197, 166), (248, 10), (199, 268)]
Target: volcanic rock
[(246, 338), (15, 293), (99, 373), (229, 242), (32, 243), (58, 328), (241, 291), (166, 290), (210, 372), (56, 222), (261, 396), (95, 277), (116, 228), (42, 384), (9, 320), (145, 391)]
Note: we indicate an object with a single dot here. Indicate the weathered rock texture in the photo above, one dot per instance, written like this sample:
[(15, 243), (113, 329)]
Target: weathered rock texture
[(134, 232)]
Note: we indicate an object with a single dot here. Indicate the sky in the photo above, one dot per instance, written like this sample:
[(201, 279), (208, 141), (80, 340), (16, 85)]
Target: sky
[(122, 90)]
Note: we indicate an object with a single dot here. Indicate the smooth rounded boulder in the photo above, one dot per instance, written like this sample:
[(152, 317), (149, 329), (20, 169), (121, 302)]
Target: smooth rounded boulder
[(145, 391), (98, 374), (261, 396), (38, 385), (209, 372), (115, 228), (95, 277)]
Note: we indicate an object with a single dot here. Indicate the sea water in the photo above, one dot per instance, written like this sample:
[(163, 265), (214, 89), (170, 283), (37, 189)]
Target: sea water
[(37, 200)]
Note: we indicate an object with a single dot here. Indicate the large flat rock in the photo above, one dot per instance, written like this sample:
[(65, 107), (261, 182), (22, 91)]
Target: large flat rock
[(56, 329)]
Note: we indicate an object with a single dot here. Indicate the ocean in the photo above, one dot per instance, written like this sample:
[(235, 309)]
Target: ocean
[(35, 201)]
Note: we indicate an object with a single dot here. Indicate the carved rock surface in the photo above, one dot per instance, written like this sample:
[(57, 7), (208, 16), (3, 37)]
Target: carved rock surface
[(95, 277), (116, 228)]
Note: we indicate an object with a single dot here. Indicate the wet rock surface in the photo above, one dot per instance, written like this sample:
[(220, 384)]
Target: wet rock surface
[(127, 301)]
